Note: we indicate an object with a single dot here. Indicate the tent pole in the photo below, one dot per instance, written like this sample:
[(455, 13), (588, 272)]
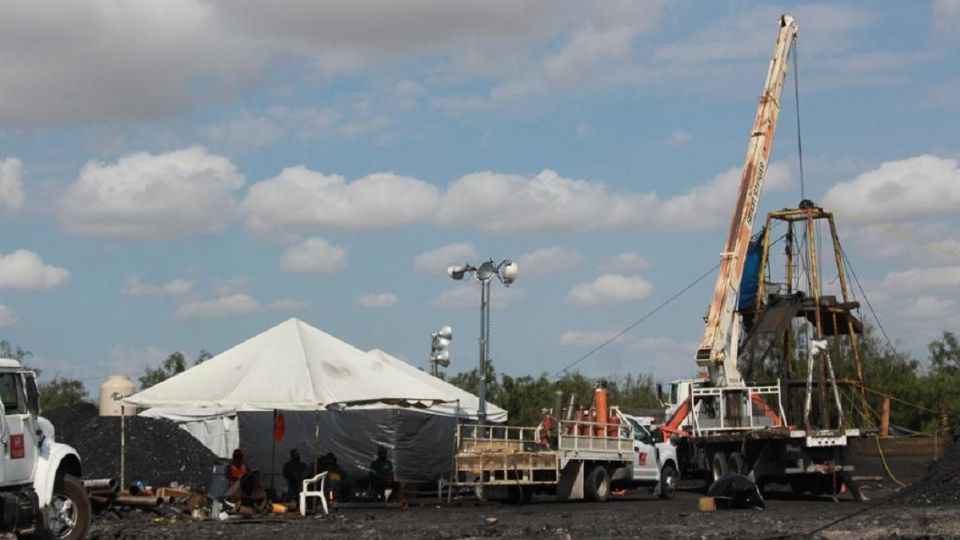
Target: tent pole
[(273, 451), (123, 476)]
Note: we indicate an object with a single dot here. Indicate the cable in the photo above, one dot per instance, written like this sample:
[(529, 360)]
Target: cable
[(796, 93), (634, 324), (853, 273), (886, 467)]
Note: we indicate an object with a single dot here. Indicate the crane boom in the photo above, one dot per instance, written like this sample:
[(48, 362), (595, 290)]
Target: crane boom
[(719, 333)]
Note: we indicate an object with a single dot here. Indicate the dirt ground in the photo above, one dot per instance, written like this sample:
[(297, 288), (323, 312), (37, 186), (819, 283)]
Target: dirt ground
[(633, 516)]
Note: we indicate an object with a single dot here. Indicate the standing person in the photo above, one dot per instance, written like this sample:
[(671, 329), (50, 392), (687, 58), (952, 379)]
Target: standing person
[(294, 471), (381, 474)]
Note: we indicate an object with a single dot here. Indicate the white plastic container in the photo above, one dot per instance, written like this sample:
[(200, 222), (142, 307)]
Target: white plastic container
[(112, 391)]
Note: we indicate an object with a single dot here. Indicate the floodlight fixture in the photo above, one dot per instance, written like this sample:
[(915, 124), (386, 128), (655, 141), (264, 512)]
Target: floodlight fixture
[(506, 271)]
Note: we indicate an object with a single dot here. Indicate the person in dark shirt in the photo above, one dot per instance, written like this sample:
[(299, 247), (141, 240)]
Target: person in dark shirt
[(381, 474), (294, 472)]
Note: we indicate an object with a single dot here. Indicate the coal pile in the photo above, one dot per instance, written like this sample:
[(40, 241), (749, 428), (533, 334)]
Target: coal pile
[(157, 451), (941, 485)]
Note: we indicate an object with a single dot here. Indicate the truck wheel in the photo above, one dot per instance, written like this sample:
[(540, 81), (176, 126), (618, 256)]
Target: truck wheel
[(737, 464), (68, 514), (668, 481), (719, 465), (597, 485)]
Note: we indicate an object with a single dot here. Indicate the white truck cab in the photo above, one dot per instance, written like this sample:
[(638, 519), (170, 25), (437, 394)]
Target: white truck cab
[(656, 459), (40, 489)]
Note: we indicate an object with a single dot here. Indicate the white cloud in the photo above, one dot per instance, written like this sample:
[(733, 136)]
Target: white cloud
[(624, 262), (586, 338), (946, 18), (907, 188), (218, 308), (708, 206), (133, 286), (377, 300), (610, 289), (921, 279), (63, 62), (8, 318), (467, 296), (301, 198), (825, 29), (230, 286), (499, 202), (548, 261), (314, 255), (929, 307), (144, 195), (11, 184), (437, 260), (24, 269), (287, 306), (679, 137)]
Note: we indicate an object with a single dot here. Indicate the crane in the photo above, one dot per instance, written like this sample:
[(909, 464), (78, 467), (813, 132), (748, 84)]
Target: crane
[(718, 350)]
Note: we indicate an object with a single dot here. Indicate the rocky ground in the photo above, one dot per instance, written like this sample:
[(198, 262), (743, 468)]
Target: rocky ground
[(634, 516)]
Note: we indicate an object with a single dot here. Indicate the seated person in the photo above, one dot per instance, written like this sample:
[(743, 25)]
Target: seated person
[(245, 488), (294, 472), (337, 482), (381, 474)]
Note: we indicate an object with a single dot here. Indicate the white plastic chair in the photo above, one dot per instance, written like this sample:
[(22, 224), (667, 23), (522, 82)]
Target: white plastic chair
[(307, 492)]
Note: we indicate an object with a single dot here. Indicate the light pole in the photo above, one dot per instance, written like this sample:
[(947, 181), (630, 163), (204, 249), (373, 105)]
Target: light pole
[(506, 271), (440, 348)]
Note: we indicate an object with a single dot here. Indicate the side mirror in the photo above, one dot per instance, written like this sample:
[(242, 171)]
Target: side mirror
[(657, 436), (33, 394), (660, 392)]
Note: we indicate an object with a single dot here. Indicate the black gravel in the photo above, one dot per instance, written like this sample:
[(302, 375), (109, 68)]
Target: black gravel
[(157, 451), (941, 485)]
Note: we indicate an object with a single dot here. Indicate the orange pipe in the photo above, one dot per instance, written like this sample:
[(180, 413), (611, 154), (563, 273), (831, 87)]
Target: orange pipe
[(600, 400)]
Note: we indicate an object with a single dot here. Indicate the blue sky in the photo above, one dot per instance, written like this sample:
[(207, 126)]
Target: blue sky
[(182, 175)]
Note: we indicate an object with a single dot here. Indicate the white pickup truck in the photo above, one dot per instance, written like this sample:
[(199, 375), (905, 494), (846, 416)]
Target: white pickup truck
[(40, 490), (582, 460)]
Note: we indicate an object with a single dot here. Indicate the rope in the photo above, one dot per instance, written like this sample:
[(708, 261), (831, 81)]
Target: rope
[(634, 324), (886, 466)]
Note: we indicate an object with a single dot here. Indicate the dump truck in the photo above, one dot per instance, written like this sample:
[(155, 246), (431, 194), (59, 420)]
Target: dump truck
[(580, 456), (40, 489)]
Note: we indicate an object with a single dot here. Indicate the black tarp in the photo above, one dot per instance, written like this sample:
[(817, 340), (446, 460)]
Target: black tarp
[(421, 445)]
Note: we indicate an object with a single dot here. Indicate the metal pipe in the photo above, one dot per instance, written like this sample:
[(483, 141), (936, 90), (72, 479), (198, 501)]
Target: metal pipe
[(484, 349), (139, 500), (95, 483), (123, 445), (571, 406)]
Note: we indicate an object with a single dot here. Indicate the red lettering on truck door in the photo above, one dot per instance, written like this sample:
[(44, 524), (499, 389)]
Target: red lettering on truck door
[(16, 446)]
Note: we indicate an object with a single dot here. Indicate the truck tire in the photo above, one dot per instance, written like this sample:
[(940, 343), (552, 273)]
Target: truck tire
[(67, 517), (720, 467), (597, 484), (737, 464), (668, 481)]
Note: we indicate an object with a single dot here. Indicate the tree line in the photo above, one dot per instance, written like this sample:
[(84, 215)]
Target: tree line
[(919, 389)]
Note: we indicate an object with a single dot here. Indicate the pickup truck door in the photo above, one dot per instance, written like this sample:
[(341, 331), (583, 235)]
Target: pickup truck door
[(646, 466), (19, 448)]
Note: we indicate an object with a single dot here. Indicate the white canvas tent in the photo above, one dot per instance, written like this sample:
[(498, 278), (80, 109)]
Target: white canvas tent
[(333, 397), (457, 402)]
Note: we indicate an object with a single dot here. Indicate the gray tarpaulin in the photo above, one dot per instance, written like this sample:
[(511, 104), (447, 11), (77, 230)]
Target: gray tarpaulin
[(420, 444)]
